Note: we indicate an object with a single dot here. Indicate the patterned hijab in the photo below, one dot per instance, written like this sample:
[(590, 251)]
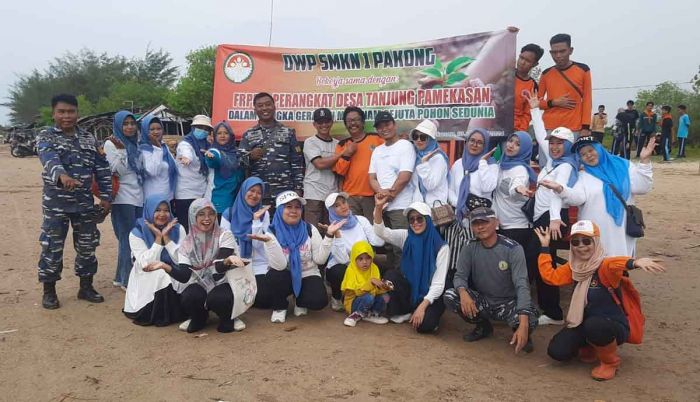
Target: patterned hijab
[(198, 246)]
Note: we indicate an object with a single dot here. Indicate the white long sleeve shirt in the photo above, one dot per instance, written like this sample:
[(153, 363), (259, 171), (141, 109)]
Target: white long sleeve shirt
[(130, 191), (190, 182), (433, 174), (481, 184), (314, 252), (507, 202), (259, 226), (157, 180), (342, 246)]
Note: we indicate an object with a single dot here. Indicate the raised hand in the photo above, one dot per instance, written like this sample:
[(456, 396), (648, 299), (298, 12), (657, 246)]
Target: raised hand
[(259, 237), (166, 230), (524, 191), (544, 235), (489, 153), (649, 265), (555, 226), (156, 265), (552, 185), (257, 215), (185, 161), (645, 153), (334, 227), (350, 148), (429, 155), (234, 261), (532, 99)]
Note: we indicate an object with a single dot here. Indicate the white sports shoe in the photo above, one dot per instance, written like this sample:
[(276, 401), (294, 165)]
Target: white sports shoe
[(184, 325), (299, 311), (353, 319), (546, 320), (238, 325), (336, 305), (400, 319), (375, 318), (279, 316)]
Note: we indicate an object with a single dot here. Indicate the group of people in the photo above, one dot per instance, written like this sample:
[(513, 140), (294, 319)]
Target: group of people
[(222, 227)]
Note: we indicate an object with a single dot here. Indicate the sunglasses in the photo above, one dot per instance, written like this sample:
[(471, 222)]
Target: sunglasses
[(585, 241), (416, 219), (420, 137)]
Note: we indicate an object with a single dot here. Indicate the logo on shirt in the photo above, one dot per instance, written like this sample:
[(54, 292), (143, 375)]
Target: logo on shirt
[(238, 67), (502, 265)]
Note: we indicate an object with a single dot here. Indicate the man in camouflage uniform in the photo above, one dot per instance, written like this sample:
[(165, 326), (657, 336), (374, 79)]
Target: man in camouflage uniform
[(70, 157), (275, 156)]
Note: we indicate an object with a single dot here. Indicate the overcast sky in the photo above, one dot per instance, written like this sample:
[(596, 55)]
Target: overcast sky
[(624, 43)]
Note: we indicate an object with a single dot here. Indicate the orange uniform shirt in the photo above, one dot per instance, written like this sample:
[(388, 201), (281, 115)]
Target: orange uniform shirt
[(553, 85), (521, 107), (355, 170), (610, 271)]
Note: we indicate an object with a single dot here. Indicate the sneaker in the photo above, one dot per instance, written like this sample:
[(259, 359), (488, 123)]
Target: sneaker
[(353, 319), (299, 311), (279, 316), (375, 318), (238, 325), (399, 319), (336, 305), (546, 320), (117, 284), (184, 325)]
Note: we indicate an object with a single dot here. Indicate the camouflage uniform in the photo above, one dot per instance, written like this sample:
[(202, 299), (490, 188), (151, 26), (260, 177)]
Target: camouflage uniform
[(78, 157), (282, 164)]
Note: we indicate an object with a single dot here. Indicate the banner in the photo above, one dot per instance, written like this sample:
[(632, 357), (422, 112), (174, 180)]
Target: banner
[(463, 82)]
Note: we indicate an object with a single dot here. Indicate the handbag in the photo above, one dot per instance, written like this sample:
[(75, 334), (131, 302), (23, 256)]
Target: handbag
[(443, 214), (635, 217), (474, 201), (244, 288), (528, 209)]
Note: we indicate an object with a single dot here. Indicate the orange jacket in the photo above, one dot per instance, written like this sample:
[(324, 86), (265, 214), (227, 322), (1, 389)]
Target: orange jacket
[(354, 170), (521, 107), (610, 271), (553, 85)]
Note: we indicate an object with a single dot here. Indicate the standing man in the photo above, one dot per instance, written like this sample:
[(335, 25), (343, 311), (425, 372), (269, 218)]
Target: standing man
[(390, 170), (70, 157), (529, 57), (320, 157), (628, 124), (275, 156), (565, 90), (598, 123), (683, 126), (647, 126), (355, 154), (666, 132)]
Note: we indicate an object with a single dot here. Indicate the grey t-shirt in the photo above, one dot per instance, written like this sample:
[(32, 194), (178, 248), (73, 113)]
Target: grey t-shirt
[(319, 183), (498, 273)]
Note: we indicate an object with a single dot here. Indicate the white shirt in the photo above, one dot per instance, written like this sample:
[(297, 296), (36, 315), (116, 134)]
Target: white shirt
[(481, 184), (386, 162), (314, 252), (507, 202), (259, 226), (433, 174), (130, 191), (342, 246), (190, 182), (157, 180)]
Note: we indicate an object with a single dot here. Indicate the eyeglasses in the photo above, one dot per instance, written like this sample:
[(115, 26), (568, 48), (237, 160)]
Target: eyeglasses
[(416, 219), (420, 137), (586, 241), (476, 142)]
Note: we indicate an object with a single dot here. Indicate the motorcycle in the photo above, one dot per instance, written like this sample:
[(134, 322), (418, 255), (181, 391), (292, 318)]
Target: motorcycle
[(23, 144)]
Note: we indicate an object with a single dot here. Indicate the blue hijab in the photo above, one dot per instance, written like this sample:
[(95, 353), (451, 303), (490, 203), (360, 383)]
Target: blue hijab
[(130, 143), (432, 145), (146, 146), (418, 259), (198, 146), (613, 170), (470, 164), (352, 219), (240, 214), (291, 237), (229, 152), (571, 159), (522, 158), (142, 231)]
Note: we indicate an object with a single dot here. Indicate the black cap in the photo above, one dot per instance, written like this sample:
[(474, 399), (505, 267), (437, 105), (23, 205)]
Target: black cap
[(382, 116), (481, 214), (587, 140), (322, 114)]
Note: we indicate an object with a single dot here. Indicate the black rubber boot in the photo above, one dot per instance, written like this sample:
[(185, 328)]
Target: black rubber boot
[(87, 292), (50, 299), (483, 329), (225, 326)]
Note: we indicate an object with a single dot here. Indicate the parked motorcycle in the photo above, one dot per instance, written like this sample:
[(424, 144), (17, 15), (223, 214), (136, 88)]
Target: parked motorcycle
[(23, 144)]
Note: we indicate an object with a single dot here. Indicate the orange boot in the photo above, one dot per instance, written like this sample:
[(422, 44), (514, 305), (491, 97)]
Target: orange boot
[(587, 354), (609, 362)]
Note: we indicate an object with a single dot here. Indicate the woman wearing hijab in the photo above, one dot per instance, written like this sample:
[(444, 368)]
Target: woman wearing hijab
[(222, 160), (430, 174), (160, 172), (192, 169), (295, 251), (206, 254), (419, 284), (150, 298), (595, 323), (122, 153), (355, 229), (594, 192)]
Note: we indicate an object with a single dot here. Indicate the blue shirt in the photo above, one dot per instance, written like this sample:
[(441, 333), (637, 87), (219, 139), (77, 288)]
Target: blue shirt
[(683, 124)]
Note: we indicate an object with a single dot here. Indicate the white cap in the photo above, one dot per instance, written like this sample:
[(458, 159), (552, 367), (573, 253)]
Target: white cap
[(562, 133), (586, 228), (420, 207), (287, 196), (427, 127), (332, 197), (201, 120)]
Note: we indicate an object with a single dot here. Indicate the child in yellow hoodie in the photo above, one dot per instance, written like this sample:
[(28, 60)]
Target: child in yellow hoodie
[(364, 292)]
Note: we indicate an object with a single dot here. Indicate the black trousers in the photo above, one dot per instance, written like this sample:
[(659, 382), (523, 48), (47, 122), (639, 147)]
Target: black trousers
[(312, 295), (681, 147), (598, 136), (597, 331), (182, 210), (195, 301), (400, 303), (642, 141), (334, 276), (548, 298)]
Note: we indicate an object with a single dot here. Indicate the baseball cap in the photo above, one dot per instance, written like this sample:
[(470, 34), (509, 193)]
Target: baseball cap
[(481, 214), (562, 133), (322, 114), (201, 120), (288, 196), (332, 197), (420, 207), (382, 117), (586, 228), (427, 127), (587, 140)]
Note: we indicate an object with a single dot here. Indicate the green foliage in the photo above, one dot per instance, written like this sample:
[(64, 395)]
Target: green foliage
[(193, 93), (668, 93), (449, 75)]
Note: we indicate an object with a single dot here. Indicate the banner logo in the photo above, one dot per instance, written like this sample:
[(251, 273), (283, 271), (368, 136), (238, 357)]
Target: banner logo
[(238, 67)]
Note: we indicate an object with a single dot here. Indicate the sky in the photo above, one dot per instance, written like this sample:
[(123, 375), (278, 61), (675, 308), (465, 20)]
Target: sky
[(624, 43)]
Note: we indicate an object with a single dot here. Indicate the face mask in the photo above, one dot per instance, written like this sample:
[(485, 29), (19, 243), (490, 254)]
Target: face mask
[(200, 134)]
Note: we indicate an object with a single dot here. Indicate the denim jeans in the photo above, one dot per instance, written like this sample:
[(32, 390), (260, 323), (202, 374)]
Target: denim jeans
[(367, 303), (123, 219)]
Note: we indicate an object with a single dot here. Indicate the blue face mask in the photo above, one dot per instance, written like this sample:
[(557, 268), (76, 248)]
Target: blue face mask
[(200, 134)]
